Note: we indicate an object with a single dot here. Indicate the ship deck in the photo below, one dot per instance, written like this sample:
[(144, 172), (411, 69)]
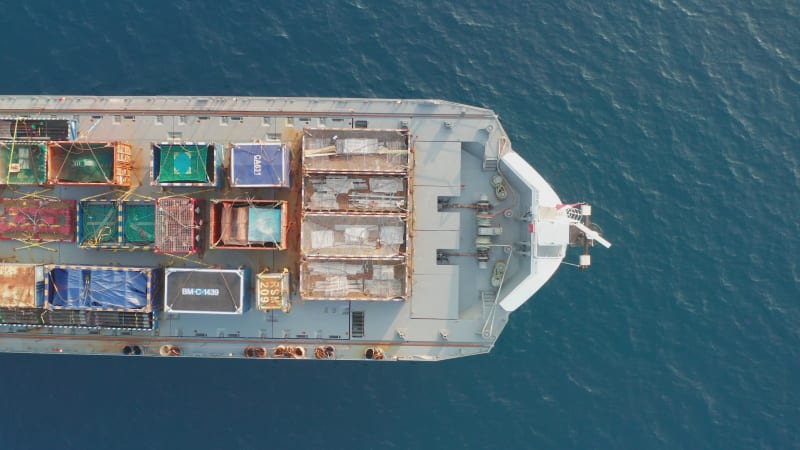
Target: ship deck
[(467, 216)]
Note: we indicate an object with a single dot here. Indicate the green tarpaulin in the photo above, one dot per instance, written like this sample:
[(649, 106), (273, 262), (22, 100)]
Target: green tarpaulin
[(140, 223), (184, 163), (99, 223), (22, 163), (82, 162)]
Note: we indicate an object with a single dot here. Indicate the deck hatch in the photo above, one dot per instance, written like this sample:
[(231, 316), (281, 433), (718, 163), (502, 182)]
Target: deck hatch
[(204, 291)]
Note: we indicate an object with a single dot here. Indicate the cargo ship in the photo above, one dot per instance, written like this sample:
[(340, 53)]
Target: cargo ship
[(270, 228)]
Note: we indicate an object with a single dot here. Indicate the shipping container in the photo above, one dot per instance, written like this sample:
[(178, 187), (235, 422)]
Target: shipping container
[(205, 291), (115, 223), (23, 163), (248, 224), (37, 220), (39, 129), (21, 285), (272, 290), (260, 165), (107, 288), (178, 224), (186, 164), (89, 163)]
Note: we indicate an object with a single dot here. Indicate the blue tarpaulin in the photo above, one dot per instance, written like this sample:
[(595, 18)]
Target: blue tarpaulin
[(81, 288), (257, 164)]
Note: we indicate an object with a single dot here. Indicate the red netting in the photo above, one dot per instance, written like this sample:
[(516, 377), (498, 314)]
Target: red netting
[(175, 225)]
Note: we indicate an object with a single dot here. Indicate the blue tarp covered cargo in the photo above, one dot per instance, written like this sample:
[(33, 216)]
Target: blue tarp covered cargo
[(97, 287), (260, 165)]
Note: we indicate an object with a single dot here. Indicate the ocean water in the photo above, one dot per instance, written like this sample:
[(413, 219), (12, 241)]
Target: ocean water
[(678, 119)]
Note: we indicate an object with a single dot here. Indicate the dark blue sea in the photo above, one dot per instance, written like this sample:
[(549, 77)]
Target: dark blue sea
[(678, 119)]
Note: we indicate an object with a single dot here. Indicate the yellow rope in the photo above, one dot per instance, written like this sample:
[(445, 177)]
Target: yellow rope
[(37, 194), (186, 194), (91, 197), (187, 259), (31, 244), (11, 155)]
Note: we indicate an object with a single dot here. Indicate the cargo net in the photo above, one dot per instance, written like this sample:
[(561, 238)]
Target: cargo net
[(353, 280), (23, 163), (185, 163), (77, 319), (175, 228), (81, 162), (37, 220), (353, 150), (139, 223), (99, 223), (353, 235), (340, 192)]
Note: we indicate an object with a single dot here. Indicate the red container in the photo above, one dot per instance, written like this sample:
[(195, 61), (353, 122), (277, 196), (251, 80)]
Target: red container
[(89, 163), (248, 224)]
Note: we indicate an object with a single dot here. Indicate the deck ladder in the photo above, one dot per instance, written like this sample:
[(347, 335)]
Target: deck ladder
[(487, 302), (490, 163)]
